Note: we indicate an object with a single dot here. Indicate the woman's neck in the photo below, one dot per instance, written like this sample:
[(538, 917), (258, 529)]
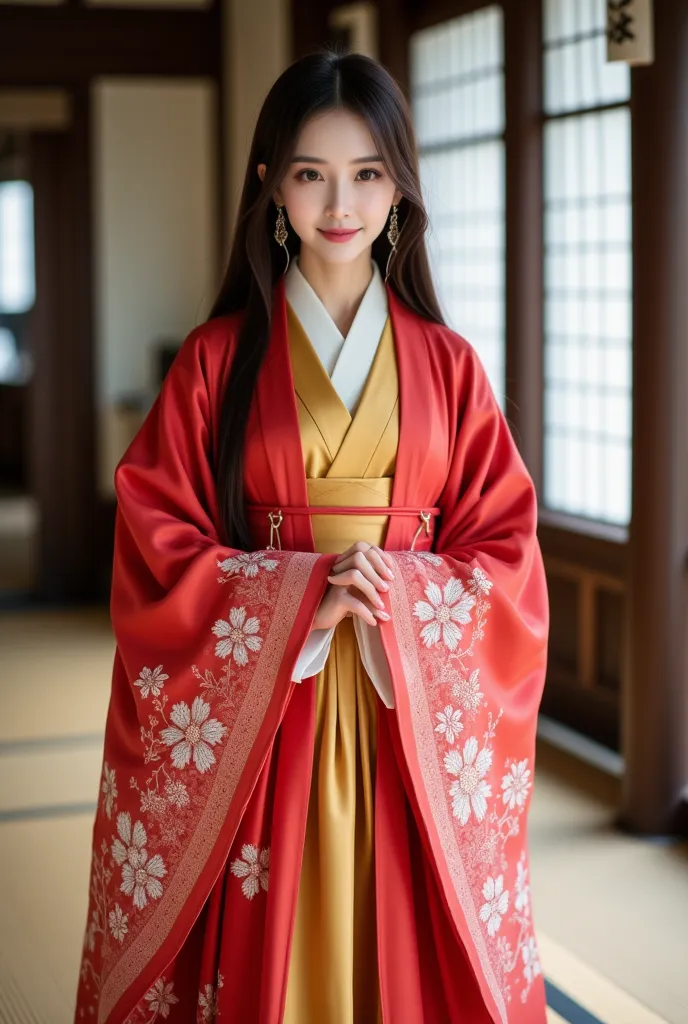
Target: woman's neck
[(339, 286)]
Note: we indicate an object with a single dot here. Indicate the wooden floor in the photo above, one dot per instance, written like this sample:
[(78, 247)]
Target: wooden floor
[(612, 911)]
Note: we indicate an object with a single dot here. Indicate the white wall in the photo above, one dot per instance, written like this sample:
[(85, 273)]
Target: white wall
[(156, 225)]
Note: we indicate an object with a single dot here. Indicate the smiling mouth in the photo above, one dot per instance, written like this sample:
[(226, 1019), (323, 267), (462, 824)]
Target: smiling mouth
[(339, 231)]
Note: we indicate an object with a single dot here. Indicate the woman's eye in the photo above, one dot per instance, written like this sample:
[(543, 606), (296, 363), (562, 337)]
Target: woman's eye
[(366, 174)]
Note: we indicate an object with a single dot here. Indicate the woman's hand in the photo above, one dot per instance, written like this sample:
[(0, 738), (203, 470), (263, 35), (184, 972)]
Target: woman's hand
[(358, 577)]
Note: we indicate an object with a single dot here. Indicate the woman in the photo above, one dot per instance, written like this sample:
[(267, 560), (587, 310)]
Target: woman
[(331, 617)]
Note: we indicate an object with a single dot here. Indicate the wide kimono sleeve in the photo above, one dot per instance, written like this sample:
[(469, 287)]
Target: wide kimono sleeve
[(207, 637), (467, 653)]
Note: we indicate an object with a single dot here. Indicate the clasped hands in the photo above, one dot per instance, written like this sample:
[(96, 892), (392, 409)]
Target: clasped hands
[(358, 577)]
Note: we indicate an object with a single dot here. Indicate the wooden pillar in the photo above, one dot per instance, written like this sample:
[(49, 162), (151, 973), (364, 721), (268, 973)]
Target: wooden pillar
[(654, 720), (524, 327), (62, 434)]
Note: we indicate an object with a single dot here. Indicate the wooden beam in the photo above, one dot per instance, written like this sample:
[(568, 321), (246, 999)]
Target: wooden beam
[(524, 214), (655, 721), (66, 45)]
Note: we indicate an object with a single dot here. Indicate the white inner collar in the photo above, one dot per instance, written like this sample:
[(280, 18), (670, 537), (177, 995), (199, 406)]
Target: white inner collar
[(346, 360)]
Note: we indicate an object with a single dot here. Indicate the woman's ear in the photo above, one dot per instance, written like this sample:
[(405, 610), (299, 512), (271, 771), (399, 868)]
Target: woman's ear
[(397, 198), (262, 168)]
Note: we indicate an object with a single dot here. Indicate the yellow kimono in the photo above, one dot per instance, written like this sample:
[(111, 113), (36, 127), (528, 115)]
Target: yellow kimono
[(348, 461)]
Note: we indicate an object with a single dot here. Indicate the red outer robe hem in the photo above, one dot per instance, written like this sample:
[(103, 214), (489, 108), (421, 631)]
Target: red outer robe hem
[(208, 745)]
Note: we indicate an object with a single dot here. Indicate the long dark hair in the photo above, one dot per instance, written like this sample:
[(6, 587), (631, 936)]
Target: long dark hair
[(313, 85)]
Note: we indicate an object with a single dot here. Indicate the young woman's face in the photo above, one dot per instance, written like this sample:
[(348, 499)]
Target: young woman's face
[(337, 181)]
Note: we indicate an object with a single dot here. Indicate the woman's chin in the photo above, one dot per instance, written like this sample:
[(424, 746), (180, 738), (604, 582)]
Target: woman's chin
[(336, 254)]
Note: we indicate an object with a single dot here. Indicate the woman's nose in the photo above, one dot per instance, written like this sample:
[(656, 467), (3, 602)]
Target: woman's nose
[(339, 202)]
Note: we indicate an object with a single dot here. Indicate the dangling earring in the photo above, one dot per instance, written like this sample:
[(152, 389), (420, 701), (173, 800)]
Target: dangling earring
[(393, 236), (281, 233)]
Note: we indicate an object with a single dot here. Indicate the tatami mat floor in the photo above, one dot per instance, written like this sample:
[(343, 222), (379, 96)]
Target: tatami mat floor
[(612, 910)]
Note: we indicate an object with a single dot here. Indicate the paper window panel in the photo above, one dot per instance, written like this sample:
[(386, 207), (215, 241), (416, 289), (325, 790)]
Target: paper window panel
[(17, 273), (577, 76), (587, 274), (458, 104)]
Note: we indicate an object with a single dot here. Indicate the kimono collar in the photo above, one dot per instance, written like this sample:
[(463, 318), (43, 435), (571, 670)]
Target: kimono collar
[(346, 360)]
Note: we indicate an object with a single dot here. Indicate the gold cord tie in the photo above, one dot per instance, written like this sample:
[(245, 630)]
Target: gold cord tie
[(425, 518), (276, 519)]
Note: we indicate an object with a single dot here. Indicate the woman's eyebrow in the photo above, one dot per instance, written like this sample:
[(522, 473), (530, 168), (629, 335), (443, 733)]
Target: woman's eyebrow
[(318, 160)]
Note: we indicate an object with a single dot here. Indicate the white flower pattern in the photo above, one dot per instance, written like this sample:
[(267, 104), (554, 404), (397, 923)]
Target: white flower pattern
[(208, 1000), (109, 788), (531, 960), (238, 636), (450, 724), (177, 793), (516, 785), (497, 904), (160, 997), (522, 901), (427, 556), (118, 923), (151, 681), (140, 876), (470, 791), (479, 582), (444, 610), (248, 564), (467, 691), (194, 735), (254, 868)]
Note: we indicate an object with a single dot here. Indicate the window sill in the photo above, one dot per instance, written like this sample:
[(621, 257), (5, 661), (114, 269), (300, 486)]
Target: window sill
[(585, 527)]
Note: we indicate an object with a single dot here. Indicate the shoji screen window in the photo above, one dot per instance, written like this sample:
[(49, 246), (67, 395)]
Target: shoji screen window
[(457, 88), (587, 415)]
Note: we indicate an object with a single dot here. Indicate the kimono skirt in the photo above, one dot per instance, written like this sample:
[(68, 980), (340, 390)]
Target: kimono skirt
[(349, 462)]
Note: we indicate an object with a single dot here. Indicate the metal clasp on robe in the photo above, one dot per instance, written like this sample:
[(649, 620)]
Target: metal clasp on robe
[(425, 518), (276, 519)]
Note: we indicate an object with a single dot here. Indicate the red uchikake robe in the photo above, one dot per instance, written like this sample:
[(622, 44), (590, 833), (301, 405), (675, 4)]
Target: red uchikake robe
[(209, 745)]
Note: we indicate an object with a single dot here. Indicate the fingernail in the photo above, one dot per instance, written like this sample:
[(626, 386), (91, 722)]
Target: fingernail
[(380, 604), (390, 574), (384, 586), (384, 616)]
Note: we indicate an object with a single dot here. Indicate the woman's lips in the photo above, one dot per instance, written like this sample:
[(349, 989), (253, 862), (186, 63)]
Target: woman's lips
[(339, 236)]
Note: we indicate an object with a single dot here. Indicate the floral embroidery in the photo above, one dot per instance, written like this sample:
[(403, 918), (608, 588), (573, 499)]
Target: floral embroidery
[(109, 788), (254, 869), (497, 903), (450, 723), (118, 923), (427, 556), (470, 791), (515, 785), (479, 583), (467, 692), (142, 834), (248, 564), (177, 793), (240, 634), (454, 614), (194, 734), (151, 681), (531, 960), (160, 998), (443, 612), (140, 876), (522, 901), (208, 1002)]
